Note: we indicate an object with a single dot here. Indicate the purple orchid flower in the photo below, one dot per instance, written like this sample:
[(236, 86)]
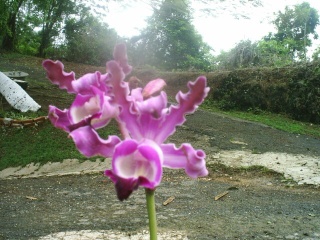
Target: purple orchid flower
[(149, 123), (144, 118)]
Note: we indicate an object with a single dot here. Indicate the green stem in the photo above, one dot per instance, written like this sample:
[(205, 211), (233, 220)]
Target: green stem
[(151, 213)]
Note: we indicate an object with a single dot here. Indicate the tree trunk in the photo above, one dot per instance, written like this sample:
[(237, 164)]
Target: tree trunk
[(8, 42), (9, 39)]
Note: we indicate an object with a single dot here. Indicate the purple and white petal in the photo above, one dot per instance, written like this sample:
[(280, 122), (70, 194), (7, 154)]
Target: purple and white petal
[(153, 88), (59, 119), (134, 160), (58, 76), (84, 84), (187, 103), (185, 157), (90, 144)]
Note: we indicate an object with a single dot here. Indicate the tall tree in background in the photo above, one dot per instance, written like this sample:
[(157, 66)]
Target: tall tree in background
[(51, 14), (9, 11), (170, 41), (294, 27), (88, 40)]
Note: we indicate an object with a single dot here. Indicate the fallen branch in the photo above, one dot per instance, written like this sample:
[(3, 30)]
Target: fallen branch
[(220, 195), (8, 122)]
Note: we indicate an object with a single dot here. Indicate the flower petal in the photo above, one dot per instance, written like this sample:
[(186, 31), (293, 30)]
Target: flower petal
[(90, 144), (57, 76), (121, 97), (133, 160), (188, 103), (153, 87), (124, 187), (95, 106), (59, 119), (136, 163), (185, 157), (84, 84), (153, 106)]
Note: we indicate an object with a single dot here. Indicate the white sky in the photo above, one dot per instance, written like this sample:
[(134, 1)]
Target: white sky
[(220, 32)]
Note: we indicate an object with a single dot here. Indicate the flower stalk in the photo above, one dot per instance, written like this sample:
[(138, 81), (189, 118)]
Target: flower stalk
[(151, 213)]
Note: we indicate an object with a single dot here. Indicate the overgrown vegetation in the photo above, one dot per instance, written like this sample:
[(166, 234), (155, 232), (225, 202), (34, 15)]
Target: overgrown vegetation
[(292, 91)]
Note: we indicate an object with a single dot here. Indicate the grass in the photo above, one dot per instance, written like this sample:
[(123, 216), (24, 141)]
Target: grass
[(38, 144)]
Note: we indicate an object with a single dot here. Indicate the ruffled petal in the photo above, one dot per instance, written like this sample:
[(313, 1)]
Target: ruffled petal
[(59, 119), (84, 106), (90, 144), (186, 157), (97, 107), (153, 106), (139, 163), (59, 77), (84, 84), (133, 160), (152, 119), (136, 94), (187, 103), (121, 97), (153, 87)]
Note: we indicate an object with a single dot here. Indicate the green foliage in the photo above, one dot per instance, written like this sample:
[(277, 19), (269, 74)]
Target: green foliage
[(244, 54), (170, 41), (316, 54), (295, 93), (286, 46), (273, 53), (88, 40), (28, 41), (9, 16), (50, 15), (36, 144), (304, 92), (294, 27)]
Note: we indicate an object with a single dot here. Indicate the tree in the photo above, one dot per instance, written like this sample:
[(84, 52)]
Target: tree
[(51, 14), (170, 41), (88, 40), (272, 53), (9, 11), (294, 27), (316, 54), (243, 55)]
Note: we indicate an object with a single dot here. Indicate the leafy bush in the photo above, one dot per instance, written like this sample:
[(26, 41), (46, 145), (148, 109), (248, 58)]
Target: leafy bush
[(293, 91), (304, 95)]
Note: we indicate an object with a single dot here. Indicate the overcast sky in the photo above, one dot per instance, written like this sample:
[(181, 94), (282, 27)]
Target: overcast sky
[(221, 32)]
